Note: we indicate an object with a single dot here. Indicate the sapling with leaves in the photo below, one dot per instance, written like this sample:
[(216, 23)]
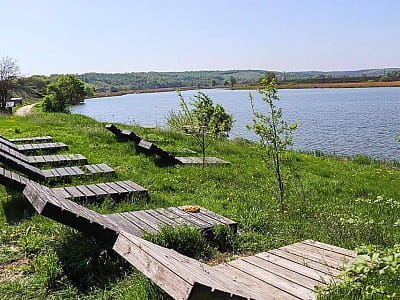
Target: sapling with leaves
[(204, 121), (274, 133)]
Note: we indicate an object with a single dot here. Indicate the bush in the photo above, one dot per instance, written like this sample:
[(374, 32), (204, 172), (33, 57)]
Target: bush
[(185, 239)]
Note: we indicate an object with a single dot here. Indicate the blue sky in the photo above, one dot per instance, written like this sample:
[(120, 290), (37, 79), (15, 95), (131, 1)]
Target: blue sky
[(77, 36)]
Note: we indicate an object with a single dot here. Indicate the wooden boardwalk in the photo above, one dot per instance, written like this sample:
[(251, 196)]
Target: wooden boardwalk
[(54, 174), (168, 158)]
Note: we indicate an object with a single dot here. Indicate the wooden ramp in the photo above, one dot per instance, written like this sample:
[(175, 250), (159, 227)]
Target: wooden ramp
[(48, 147), (168, 158), (117, 190), (55, 174), (44, 159), (34, 139)]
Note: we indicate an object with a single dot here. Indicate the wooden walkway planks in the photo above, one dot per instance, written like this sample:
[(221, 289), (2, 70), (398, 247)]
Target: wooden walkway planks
[(290, 272), (42, 139), (152, 220)]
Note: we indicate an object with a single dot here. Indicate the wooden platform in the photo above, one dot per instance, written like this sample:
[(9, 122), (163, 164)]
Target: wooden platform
[(116, 190), (135, 222), (53, 203), (290, 272), (34, 147), (61, 173), (34, 139), (168, 158), (40, 160)]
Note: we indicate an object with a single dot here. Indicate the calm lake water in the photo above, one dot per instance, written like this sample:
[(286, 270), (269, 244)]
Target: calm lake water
[(342, 121)]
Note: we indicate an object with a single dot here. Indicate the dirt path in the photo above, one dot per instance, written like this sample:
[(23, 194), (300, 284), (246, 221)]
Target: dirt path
[(24, 110)]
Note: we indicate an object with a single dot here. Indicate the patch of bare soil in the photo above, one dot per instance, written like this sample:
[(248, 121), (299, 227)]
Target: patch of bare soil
[(14, 270)]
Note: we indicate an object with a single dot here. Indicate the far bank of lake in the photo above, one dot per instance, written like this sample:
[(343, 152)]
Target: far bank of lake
[(342, 121)]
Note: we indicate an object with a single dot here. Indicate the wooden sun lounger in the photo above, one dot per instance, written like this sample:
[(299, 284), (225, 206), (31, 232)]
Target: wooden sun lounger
[(45, 159), (54, 205), (61, 173), (34, 147), (290, 272), (116, 190), (125, 135), (34, 139)]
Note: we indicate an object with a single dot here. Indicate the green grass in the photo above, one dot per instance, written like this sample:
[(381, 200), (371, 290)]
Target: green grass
[(344, 202)]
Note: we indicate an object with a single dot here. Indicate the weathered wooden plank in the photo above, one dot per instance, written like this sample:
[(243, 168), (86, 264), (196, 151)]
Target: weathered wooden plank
[(139, 222), (107, 188), (88, 193), (95, 189), (306, 262), (325, 254), (135, 186), (217, 217), (313, 256), (162, 218), (61, 192), (91, 169), (63, 172), (291, 275), (295, 266), (116, 187), (339, 250), (125, 225), (105, 168), (281, 283), (177, 219), (123, 185), (74, 192), (188, 216), (76, 170), (253, 283), (148, 219)]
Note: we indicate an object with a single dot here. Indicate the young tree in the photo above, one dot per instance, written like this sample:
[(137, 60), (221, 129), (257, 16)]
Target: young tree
[(233, 81), (9, 73), (66, 90), (204, 121), (274, 133)]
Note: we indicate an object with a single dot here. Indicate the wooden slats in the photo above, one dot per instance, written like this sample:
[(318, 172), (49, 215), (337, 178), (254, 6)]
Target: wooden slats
[(46, 138), (293, 269)]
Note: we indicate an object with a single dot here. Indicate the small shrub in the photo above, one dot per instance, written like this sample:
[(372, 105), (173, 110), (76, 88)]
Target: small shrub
[(184, 239)]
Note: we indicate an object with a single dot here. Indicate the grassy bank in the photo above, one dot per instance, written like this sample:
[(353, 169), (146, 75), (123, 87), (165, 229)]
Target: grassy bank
[(347, 203)]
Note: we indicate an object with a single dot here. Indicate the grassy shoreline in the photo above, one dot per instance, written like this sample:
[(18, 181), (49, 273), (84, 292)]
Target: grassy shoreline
[(347, 203), (253, 87)]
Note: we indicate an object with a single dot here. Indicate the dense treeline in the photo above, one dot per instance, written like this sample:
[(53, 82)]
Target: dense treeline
[(115, 82)]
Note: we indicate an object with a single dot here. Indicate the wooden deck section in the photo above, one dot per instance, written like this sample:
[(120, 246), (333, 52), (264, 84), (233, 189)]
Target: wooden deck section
[(137, 222), (34, 139), (117, 190), (57, 174), (53, 203), (290, 272), (48, 147), (168, 158), (40, 160)]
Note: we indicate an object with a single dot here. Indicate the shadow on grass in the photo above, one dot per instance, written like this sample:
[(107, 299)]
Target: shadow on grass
[(16, 207), (90, 264)]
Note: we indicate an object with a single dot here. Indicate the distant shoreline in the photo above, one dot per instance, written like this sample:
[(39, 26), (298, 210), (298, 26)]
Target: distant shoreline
[(248, 87)]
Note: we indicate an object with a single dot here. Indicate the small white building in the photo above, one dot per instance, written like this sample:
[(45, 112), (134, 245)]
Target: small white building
[(16, 100)]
